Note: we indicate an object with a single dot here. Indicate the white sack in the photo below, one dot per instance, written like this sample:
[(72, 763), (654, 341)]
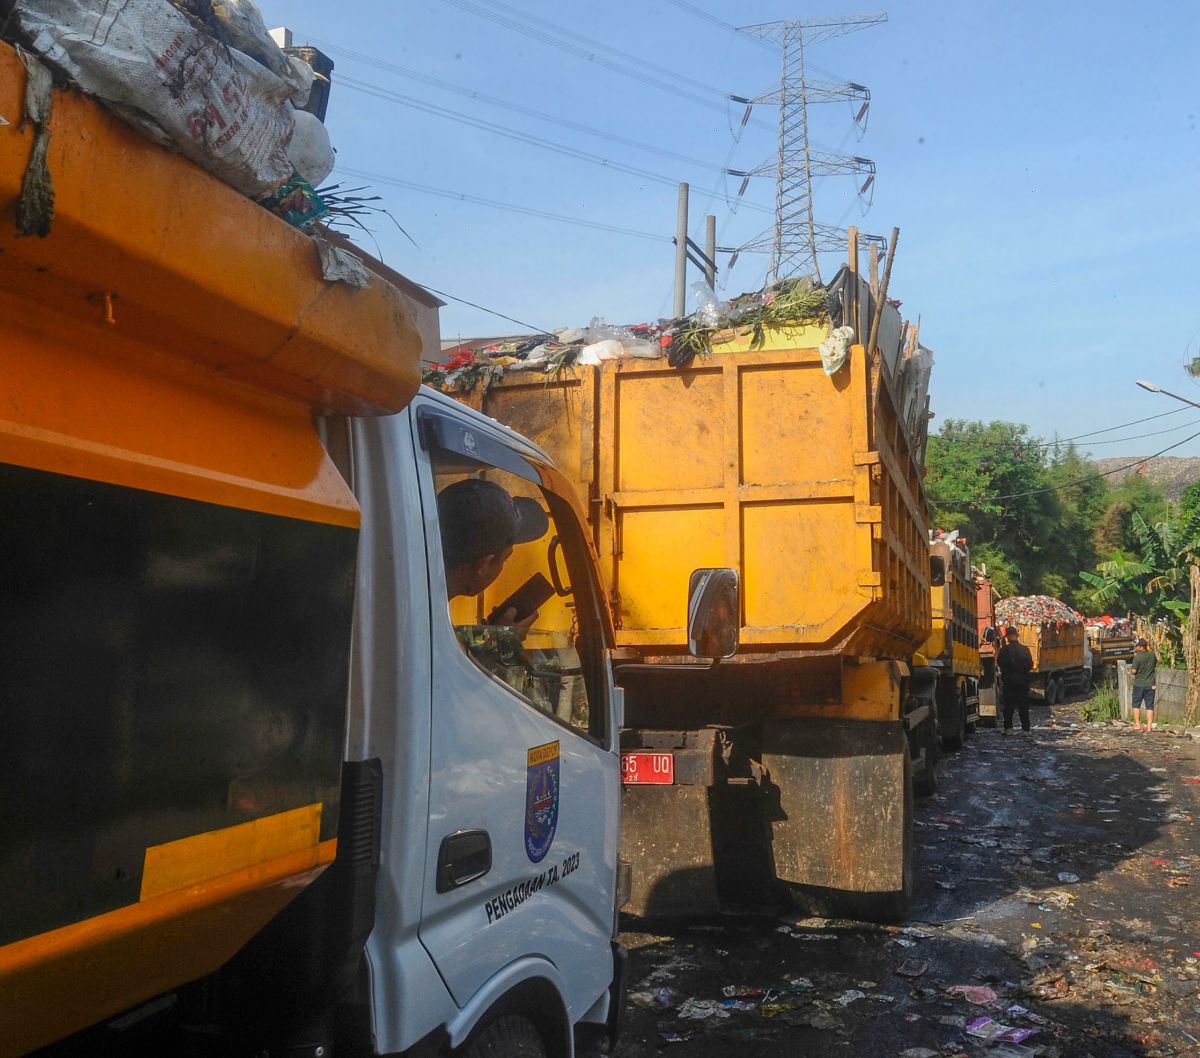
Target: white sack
[(310, 150), (215, 105)]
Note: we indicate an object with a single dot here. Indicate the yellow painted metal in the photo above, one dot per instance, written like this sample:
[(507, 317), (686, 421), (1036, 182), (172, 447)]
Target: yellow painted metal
[(869, 691), (146, 245), (172, 336), (752, 459), (954, 638), (56, 983), (1053, 647), (203, 857)]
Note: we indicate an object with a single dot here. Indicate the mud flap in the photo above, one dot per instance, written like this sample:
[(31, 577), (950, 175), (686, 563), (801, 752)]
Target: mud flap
[(843, 837), (694, 849), (666, 835)]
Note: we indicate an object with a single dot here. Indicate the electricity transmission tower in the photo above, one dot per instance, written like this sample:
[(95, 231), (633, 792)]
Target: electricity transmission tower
[(797, 238)]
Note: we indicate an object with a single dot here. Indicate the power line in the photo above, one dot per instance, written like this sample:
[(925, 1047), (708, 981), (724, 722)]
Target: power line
[(1076, 437), (1136, 422), (496, 101), (1139, 436), (515, 134), (558, 37), (483, 308), (729, 27), (1089, 477), (458, 196)]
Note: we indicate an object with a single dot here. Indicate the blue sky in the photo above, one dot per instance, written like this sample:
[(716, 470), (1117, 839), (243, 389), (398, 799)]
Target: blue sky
[(1040, 160)]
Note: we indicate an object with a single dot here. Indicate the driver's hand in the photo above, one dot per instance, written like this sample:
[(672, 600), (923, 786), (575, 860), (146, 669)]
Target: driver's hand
[(509, 618)]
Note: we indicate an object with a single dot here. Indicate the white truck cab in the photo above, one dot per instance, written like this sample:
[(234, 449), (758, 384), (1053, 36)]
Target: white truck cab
[(497, 882)]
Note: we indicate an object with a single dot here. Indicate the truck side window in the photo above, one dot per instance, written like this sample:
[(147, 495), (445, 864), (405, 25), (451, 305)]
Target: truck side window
[(509, 573)]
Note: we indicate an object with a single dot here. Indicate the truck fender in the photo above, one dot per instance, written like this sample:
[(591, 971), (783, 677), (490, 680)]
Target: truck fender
[(530, 986)]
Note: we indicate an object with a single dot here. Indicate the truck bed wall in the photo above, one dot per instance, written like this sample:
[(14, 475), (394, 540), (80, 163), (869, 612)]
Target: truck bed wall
[(177, 607), (756, 460), (1053, 648), (954, 639)]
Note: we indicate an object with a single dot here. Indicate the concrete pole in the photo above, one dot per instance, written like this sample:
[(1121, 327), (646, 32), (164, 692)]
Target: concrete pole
[(710, 250), (681, 237)]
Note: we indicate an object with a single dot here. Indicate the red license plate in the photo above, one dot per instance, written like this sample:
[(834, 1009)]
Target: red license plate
[(647, 769)]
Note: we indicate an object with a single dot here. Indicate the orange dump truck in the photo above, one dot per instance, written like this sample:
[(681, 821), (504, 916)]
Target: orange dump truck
[(953, 645), (988, 638), (762, 533), (180, 555), (1054, 634)]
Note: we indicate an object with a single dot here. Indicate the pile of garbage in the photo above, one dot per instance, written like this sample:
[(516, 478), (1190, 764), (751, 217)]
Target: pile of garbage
[(201, 77), (1106, 627), (1036, 610), (792, 303)]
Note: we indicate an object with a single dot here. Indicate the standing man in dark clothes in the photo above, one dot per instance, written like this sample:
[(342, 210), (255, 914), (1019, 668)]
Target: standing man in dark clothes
[(1015, 664), (1145, 668)]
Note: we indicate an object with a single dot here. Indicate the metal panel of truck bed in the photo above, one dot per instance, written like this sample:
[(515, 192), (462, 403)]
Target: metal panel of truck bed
[(752, 459)]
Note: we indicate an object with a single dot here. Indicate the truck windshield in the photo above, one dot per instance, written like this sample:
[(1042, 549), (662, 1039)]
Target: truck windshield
[(520, 598)]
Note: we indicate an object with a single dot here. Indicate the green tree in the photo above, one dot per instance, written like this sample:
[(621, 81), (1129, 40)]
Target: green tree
[(1081, 498), (1028, 510), (986, 480), (1157, 582), (1189, 501), (1135, 495)]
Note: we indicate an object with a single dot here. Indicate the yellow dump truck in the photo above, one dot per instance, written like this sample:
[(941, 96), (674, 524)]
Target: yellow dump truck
[(1108, 645), (1054, 634), (786, 749), (953, 646), (236, 714)]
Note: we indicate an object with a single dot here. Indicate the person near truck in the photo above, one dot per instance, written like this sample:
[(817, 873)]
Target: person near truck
[(480, 524), (1145, 668), (1016, 665)]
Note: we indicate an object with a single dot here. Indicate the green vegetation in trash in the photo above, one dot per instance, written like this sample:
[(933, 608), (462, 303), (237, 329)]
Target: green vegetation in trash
[(787, 304), (1104, 706)]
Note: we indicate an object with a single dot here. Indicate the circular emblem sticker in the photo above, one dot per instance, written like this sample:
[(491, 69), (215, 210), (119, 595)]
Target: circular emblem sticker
[(541, 800)]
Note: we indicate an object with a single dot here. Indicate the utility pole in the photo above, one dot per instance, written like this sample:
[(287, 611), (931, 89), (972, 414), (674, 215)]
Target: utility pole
[(681, 247), (710, 251), (686, 250), (797, 238)]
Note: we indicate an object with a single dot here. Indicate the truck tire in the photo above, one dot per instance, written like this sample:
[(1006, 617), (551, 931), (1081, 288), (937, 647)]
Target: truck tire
[(969, 725), (954, 738), (510, 1036), (924, 782)]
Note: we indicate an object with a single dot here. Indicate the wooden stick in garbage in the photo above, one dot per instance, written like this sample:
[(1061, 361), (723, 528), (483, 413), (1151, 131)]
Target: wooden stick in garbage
[(881, 299), (850, 316)]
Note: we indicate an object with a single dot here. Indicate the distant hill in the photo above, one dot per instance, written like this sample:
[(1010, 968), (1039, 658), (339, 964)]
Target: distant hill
[(1173, 473)]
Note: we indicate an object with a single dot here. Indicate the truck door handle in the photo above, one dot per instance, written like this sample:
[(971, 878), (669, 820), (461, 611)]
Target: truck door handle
[(463, 857)]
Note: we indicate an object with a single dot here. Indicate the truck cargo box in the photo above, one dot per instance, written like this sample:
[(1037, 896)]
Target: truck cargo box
[(753, 459), (1048, 627), (181, 554)]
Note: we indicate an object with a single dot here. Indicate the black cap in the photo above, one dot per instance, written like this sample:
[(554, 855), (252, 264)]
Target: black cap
[(480, 518)]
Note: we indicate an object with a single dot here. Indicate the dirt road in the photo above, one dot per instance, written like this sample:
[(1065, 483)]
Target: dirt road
[(1057, 887)]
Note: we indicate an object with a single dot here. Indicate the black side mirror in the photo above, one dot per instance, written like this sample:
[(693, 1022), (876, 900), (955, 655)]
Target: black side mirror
[(714, 613), (937, 571), (989, 635)]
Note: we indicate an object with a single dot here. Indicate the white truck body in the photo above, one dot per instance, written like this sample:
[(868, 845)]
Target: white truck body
[(454, 745)]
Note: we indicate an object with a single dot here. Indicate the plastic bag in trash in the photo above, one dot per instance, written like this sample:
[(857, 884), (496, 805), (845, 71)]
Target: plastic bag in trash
[(707, 306), (835, 349), (243, 27), (639, 347), (598, 352), (310, 150), (181, 85)]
